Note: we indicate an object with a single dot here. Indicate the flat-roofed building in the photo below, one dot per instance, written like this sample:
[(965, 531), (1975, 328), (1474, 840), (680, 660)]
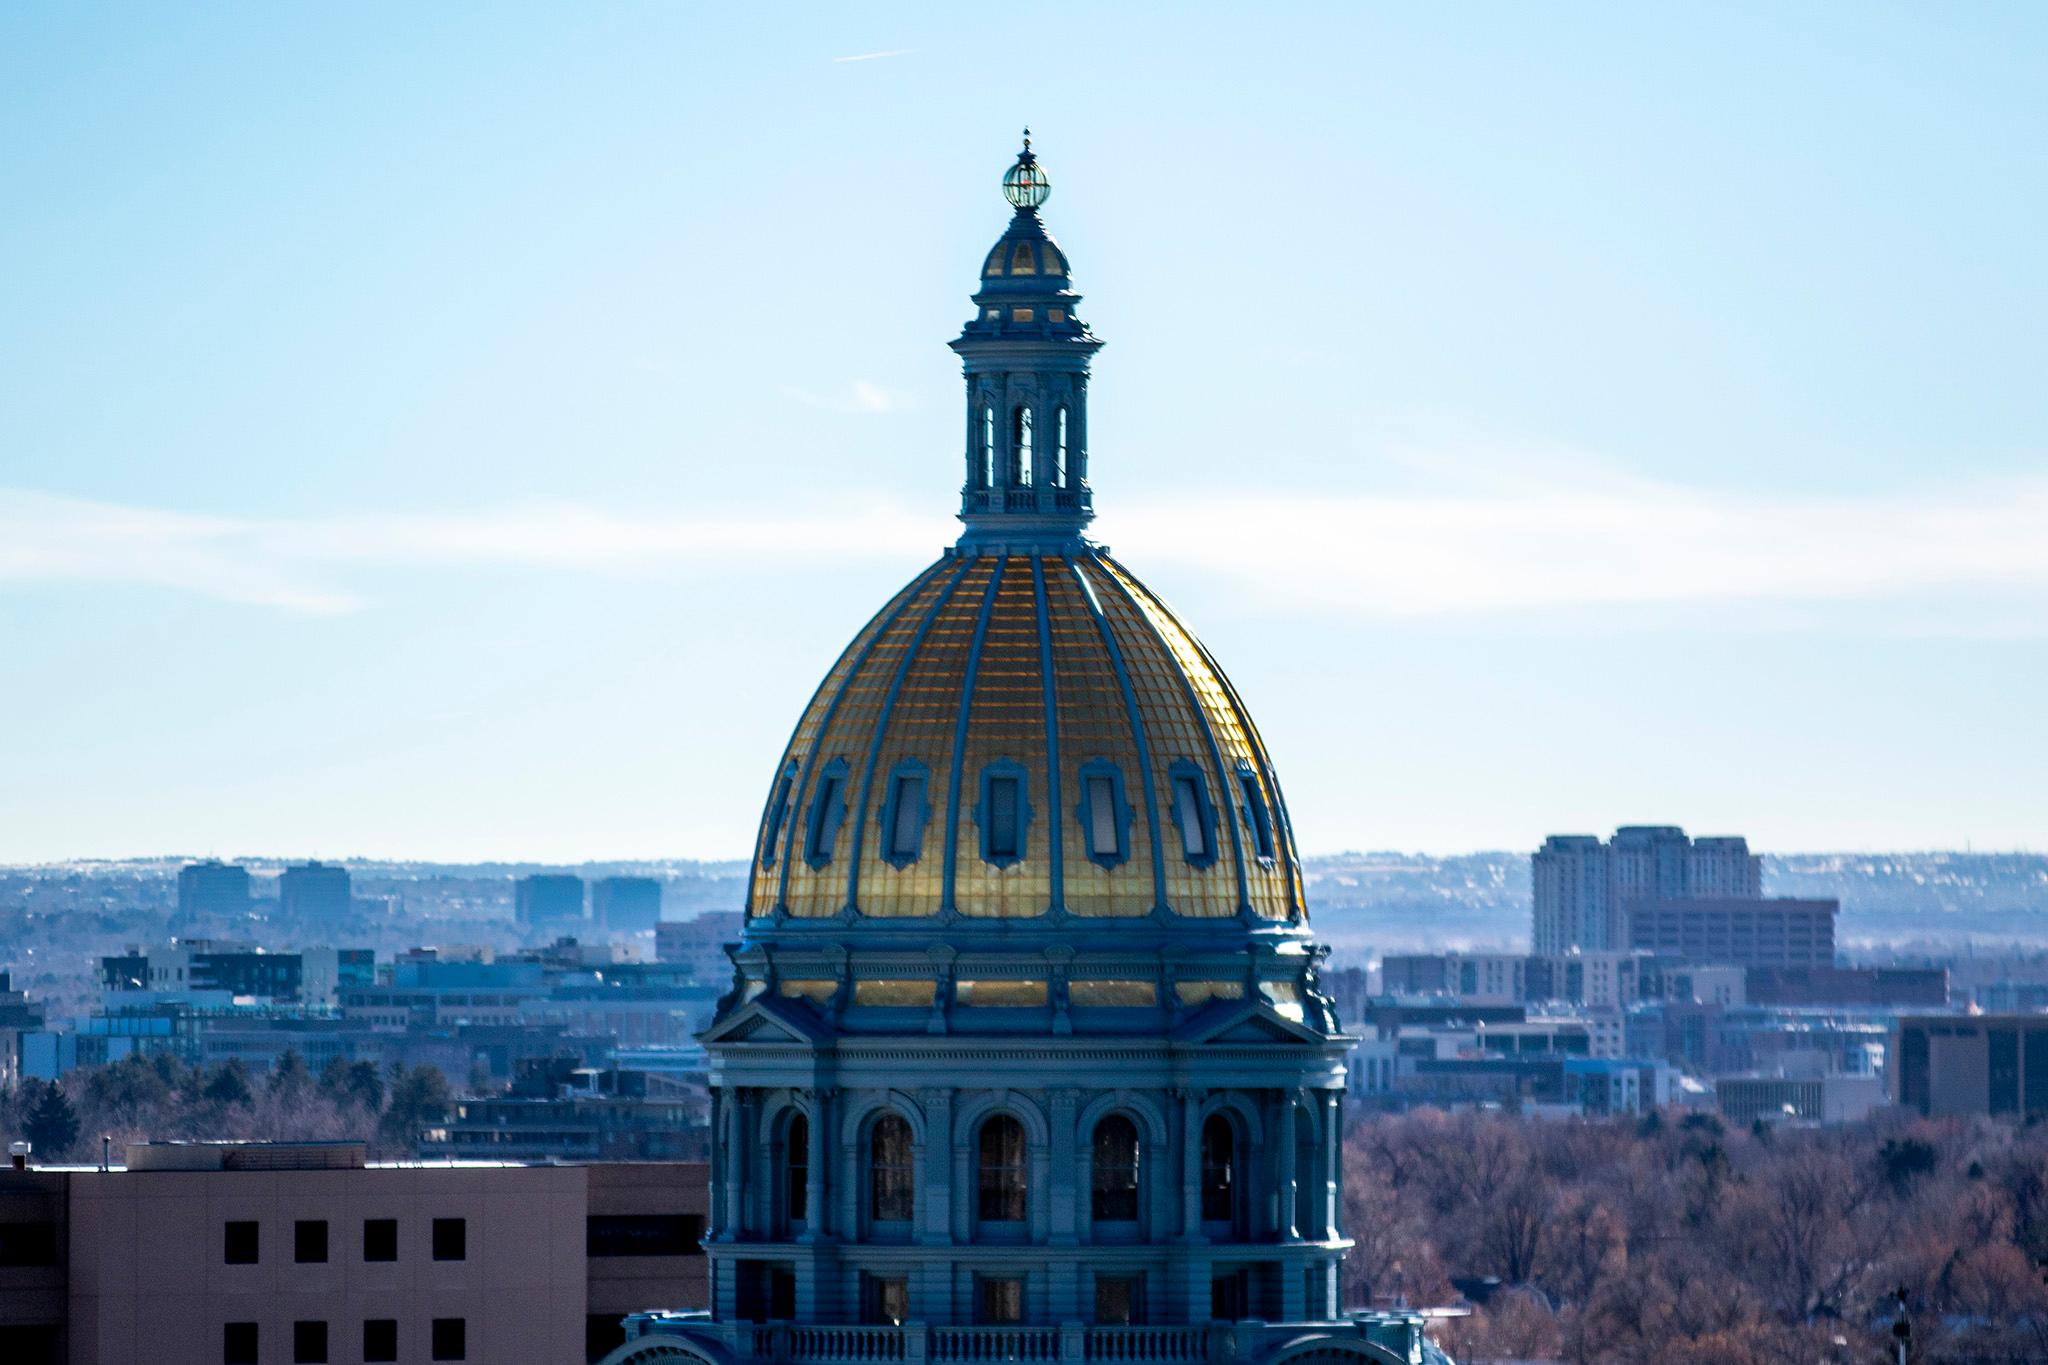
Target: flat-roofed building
[(1952, 1066), (548, 900), (265, 1252), (626, 905), (1779, 932)]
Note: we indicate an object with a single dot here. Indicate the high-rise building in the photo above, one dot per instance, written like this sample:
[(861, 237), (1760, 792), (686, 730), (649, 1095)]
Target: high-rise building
[(315, 892), (1029, 1058), (213, 888), (626, 905), (1583, 888), (549, 900)]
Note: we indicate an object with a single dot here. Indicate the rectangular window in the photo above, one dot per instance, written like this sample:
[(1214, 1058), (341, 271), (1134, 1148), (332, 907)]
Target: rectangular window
[(905, 829), (1128, 994), (309, 1241), (380, 1340), (825, 819), (1227, 1296), (1256, 812), (238, 1343), (451, 1239), (1102, 830), (28, 1244), (309, 1343), (1187, 814), (1010, 993), (1000, 1300), (380, 1239), (914, 994), (1002, 818), (450, 1339), (643, 1234), (884, 1299), (240, 1243), (1116, 1300)]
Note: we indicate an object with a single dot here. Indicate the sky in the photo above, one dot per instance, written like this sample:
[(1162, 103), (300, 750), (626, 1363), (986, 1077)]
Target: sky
[(470, 431)]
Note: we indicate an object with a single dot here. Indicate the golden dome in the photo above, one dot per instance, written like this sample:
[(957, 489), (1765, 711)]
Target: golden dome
[(1025, 731)]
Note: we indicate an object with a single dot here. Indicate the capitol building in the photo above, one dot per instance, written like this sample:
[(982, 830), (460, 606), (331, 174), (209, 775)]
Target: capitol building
[(1026, 1057)]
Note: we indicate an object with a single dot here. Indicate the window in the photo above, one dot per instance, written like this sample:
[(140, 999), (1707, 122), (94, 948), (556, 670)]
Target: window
[(1023, 315), (1227, 1296), (1115, 1178), (238, 1343), (1059, 452), (1219, 1170), (1114, 994), (901, 994), (904, 814), (892, 1170), (309, 1343), (1020, 440), (796, 1169), (309, 1241), (999, 1301), (380, 1239), (451, 1239), (778, 813), (1003, 813), (884, 1299), (1256, 816), (1191, 816), (450, 1339), (1104, 816), (988, 447), (240, 1244), (31, 1244), (1117, 1300), (1001, 993), (643, 1234), (380, 1340), (828, 809), (1003, 1177), (1021, 261)]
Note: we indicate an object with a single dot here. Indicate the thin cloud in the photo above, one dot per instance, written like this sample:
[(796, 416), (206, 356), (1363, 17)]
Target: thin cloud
[(877, 56), (1947, 557)]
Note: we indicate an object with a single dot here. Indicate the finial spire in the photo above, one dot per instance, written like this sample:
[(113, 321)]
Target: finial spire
[(1027, 139)]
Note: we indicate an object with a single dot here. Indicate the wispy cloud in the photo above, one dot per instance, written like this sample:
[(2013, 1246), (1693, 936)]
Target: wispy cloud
[(860, 397), (1593, 542), (877, 56)]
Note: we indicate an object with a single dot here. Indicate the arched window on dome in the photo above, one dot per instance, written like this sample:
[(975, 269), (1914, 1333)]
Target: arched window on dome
[(905, 811), (1020, 440), (1003, 813), (988, 447), (1194, 818), (892, 1170), (778, 816), (1221, 1196), (1104, 814), (1059, 456), (1258, 817), (796, 1172), (1002, 1171), (1116, 1176), (828, 812)]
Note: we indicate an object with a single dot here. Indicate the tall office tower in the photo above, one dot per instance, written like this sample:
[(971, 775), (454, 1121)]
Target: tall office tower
[(626, 905), (549, 900), (1569, 880), (1583, 890), (1028, 1058), (316, 892), (213, 888)]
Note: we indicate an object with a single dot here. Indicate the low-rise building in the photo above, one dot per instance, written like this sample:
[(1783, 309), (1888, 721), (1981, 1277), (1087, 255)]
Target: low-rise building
[(260, 1252), (1950, 1066)]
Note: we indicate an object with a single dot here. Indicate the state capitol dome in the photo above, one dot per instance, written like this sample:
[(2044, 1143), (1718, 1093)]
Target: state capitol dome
[(1026, 730)]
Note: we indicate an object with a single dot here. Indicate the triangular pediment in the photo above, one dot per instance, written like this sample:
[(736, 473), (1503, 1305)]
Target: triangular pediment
[(1248, 1022), (765, 1020)]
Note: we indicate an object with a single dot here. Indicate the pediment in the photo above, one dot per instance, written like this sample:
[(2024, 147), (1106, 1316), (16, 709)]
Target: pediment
[(1253, 1022), (763, 1021)]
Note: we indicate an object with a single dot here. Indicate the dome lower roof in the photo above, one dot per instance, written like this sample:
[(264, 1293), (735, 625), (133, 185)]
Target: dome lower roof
[(1023, 734)]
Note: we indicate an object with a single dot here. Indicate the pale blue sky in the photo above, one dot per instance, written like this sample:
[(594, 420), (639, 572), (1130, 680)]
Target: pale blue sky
[(466, 430)]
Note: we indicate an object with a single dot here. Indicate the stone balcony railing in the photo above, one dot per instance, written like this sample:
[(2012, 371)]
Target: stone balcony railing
[(1072, 1343)]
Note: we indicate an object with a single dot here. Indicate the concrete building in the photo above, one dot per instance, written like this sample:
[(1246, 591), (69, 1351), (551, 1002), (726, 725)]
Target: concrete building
[(1781, 932), (213, 888), (255, 1253), (1582, 888), (314, 893), (1482, 978), (1028, 1057), (626, 905), (1950, 1066), (699, 944), (1874, 987), (548, 900), (1803, 1099)]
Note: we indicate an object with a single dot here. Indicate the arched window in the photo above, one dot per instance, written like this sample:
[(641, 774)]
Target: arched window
[(892, 1170), (1059, 458), (1219, 1170), (988, 447), (1020, 437), (796, 1169), (1003, 1177), (1116, 1171)]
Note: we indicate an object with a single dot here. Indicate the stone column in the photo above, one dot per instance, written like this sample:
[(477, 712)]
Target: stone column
[(1287, 1225), (1191, 1165), (817, 1217), (737, 1163), (1064, 1206)]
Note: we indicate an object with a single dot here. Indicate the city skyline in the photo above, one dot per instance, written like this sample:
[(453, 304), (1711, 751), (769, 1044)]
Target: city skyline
[(383, 466)]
